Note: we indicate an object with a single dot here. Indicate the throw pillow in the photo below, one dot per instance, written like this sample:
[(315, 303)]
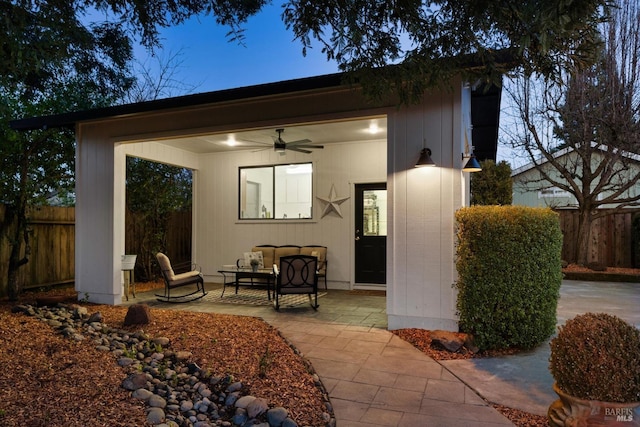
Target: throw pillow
[(248, 256)]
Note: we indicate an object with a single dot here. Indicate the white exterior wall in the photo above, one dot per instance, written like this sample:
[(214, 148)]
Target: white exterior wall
[(423, 202), (95, 250), (222, 238), (421, 207)]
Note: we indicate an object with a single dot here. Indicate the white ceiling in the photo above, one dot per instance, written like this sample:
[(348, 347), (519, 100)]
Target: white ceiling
[(319, 133)]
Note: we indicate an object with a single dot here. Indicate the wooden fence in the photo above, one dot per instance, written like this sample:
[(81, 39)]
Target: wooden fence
[(53, 243), (178, 242), (612, 238), (52, 260), (52, 249)]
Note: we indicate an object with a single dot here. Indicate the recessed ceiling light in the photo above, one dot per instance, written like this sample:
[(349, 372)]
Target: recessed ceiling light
[(373, 127), (231, 140)]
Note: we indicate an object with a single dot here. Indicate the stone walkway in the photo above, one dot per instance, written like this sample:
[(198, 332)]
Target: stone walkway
[(523, 381), (373, 377)]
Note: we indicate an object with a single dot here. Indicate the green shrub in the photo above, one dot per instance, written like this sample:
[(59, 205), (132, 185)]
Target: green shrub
[(509, 274), (492, 185), (597, 357)]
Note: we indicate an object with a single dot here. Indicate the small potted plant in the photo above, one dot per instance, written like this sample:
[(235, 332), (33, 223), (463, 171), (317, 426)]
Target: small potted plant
[(254, 264), (595, 361)]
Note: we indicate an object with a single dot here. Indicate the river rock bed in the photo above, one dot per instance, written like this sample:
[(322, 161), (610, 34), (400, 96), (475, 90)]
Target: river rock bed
[(176, 391)]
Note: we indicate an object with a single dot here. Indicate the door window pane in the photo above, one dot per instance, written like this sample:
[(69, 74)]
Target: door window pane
[(374, 219)]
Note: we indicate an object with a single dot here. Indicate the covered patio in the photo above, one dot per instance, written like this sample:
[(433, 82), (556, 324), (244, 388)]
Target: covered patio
[(189, 132)]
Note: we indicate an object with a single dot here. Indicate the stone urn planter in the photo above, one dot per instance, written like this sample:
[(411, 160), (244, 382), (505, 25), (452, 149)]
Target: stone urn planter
[(595, 360), (571, 411)]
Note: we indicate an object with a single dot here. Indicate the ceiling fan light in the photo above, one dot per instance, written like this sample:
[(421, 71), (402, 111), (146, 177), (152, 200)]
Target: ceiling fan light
[(279, 146)]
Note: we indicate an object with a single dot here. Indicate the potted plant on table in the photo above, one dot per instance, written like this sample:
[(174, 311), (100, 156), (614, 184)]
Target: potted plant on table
[(254, 264), (595, 361)]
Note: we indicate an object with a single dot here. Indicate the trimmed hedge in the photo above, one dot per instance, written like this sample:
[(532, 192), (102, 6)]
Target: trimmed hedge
[(509, 274)]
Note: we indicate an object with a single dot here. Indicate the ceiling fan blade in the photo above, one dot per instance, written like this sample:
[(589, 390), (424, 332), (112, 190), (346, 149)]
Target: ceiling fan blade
[(248, 144), (253, 141), (298, 149), (310, 146), (260, 149), (299, 142)]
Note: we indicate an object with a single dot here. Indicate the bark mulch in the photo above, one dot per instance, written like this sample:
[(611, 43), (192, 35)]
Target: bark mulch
[(52, 381)]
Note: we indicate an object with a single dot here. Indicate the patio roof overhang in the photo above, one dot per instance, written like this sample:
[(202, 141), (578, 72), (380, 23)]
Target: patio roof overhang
[(485, 107), (323, 82)]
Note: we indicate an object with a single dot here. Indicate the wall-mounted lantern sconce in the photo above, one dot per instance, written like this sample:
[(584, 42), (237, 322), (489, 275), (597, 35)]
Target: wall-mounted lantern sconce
[(471, 165), (425, 159)]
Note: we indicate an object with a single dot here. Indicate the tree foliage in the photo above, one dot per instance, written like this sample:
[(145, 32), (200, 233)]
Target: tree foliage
[(46, 42), (52, 63), (427, 42), (154, 192), (492, 185), (582, 133), (62, 56), (430, 41)]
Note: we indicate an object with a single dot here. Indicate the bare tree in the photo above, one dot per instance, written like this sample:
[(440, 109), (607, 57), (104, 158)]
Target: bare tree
[(157, 77), (582, 132)]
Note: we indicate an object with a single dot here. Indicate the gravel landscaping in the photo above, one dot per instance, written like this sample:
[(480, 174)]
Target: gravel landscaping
[(191, 368), (200, 366)]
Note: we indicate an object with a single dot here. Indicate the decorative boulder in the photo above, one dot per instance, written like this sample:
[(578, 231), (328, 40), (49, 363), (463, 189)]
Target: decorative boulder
[(138, 314), (447, 340)]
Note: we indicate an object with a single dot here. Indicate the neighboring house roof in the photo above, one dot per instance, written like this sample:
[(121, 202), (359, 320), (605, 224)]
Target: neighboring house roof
[(558, 154), (540, 161), (485, 108)]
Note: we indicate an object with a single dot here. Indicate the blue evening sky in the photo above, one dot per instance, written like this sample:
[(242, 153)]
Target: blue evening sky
[(211, 62)]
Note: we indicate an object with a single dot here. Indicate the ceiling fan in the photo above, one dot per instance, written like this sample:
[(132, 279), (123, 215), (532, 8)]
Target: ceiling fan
[(301, 145)]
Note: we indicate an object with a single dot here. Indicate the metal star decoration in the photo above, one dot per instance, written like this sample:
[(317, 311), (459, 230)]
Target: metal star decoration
[(333, 202)]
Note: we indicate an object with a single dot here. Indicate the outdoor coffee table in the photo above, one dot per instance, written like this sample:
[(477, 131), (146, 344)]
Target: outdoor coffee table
[(246, 276)]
